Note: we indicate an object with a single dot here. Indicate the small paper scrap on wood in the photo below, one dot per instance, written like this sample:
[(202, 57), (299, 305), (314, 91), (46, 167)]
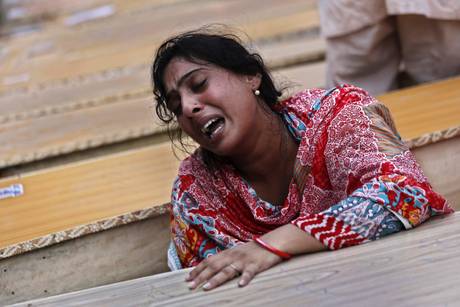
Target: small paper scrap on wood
[(13, 190)]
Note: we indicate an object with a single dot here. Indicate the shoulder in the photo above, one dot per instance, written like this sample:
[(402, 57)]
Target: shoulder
[(346, 95), (318, 102), (304, 97), (300, 103)]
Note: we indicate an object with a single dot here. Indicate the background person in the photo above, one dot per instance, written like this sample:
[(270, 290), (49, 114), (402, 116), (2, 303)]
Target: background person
[(370, 41)]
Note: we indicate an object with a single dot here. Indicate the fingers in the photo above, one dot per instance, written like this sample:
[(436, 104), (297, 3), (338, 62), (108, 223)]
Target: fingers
[(214, 278), (204, 271), (248, 274), (226, 274), (248, 259), (197, 270)]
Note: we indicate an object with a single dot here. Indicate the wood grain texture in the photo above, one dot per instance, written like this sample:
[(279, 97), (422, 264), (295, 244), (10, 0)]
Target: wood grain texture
[(131, 38), (426, 108), (117, 84), (36, 138), (73, 108), (413, 268), (66, 197), (117, 254)]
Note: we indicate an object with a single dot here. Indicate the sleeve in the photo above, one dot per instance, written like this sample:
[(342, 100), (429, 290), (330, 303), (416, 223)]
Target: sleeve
[(190, 243), (182, 251), (384, 188)]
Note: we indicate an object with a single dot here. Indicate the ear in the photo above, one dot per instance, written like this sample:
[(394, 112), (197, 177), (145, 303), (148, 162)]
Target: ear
[(254, 81)]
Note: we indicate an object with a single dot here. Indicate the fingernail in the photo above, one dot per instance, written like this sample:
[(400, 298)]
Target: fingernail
[(191, 285), (207, 286), (241, 283)]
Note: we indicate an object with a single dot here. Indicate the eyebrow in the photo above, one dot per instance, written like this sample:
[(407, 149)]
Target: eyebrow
[(182, 79)]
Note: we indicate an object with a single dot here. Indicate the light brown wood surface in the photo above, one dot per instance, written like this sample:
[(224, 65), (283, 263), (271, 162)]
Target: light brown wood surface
[(131, 38), (124, 118), (135, 250), (38, 138), (81, 193), (426, 108), (123, 83), (78, 108), (413, 268)]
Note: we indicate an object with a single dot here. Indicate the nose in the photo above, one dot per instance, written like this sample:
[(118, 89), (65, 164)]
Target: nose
[(191, 106)]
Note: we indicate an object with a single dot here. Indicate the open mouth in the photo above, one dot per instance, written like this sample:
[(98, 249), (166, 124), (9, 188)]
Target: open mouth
[(212, 126)]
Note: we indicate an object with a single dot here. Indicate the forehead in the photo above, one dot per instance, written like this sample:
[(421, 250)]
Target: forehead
[(177, 68)]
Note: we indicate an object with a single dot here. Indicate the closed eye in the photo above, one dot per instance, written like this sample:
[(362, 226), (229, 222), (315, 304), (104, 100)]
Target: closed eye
[(199, 86)]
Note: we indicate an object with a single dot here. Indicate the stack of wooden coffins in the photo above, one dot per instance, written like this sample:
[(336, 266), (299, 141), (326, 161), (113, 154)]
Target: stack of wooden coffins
[(86, 167)]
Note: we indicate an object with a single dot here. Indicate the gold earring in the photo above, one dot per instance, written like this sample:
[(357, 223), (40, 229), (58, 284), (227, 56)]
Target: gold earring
[(257, 92)]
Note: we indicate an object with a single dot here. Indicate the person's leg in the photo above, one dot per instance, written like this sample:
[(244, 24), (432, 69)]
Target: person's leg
[(368, 58), (430, 48)]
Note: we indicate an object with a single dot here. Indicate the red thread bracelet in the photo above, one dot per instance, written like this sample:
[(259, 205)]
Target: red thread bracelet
[(272, 249)]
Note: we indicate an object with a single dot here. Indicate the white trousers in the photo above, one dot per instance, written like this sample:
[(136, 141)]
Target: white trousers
[(372, 57)]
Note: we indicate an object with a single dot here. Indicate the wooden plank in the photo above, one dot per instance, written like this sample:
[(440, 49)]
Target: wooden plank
[(39, 138), (413, 268), (90, 126), (134, 250), (112, 43), (85, 197), (51, 15), (44, 11), (122, 83), (440, 163), (428, 112), (296, 51)]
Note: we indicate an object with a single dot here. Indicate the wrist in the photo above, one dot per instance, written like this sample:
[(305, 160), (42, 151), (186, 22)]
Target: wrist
[(283, 255)]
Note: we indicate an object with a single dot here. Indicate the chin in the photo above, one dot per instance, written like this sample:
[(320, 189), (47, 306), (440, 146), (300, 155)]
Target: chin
[(219, 150)]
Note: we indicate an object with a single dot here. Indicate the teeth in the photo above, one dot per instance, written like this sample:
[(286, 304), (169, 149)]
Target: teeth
[(208, 124)]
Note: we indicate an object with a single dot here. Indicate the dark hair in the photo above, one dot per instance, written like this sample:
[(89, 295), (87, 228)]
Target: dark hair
[(208, 46)]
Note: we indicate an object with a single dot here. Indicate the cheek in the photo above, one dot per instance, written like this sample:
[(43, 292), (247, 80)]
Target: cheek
[(183, 124), (187, 127)]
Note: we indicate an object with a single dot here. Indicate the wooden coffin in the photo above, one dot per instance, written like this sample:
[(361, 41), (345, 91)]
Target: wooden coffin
[(63, 235), (412, 268)]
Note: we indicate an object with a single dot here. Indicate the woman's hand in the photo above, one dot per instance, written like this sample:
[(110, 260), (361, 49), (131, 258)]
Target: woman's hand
[(246, 259)]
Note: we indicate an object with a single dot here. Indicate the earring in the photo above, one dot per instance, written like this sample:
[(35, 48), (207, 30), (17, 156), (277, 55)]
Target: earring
[(257, 92)]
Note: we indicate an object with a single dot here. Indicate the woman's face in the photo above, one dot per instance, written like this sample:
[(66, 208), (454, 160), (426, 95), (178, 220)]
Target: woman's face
[(214, 106)]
